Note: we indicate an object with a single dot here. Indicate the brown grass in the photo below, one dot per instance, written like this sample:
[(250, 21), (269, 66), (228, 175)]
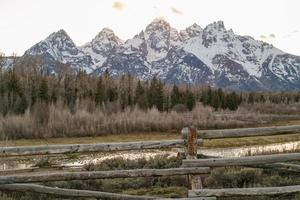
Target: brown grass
[(60, 122)]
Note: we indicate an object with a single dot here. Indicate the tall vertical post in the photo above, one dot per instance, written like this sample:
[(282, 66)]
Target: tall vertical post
[(190, 135)]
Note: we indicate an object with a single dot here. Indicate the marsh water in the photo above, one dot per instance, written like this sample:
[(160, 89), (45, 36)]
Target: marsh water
[(79, 160)]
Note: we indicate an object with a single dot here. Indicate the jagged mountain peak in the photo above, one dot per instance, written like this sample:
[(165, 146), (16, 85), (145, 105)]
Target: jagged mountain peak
[(191, 31), (105, 43), (158, 39), (218, 26), (160, 21), (108, 34), (213, 55), (59, 47), (60, 35), (105, 36), (158, 24), (54, 44), (106, 31), (62, 32), (194, 27)]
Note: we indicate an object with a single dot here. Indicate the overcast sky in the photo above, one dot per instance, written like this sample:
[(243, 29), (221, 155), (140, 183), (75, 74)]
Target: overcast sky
[(25, 22)]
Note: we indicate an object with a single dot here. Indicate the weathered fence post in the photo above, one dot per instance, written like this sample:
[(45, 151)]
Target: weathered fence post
[(190, 135)]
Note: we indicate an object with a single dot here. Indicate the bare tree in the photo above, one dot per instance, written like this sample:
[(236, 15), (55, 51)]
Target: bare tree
[(2, 60), (13, 57)]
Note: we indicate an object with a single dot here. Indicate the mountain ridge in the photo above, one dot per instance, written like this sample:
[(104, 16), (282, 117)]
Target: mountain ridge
[(211, 55)]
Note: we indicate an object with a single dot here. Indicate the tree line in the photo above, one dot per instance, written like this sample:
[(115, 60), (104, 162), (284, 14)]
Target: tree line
[(21, 89)]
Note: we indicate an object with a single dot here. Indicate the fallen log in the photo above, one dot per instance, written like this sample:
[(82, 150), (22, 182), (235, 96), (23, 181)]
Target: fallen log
[(226, 192), (243, 161)]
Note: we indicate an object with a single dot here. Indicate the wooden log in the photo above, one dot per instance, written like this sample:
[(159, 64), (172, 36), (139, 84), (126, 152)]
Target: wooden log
[(248, 132), (83, 193), (70, 192), (81, 148), (87, 175), (38, 169), (226, 192), (243, 161)]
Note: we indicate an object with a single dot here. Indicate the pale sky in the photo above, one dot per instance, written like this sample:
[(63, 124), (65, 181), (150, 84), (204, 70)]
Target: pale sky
[(25, 22)]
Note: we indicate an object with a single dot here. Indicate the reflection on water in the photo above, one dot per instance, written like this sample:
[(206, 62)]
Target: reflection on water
[(252, 150), (26, 162), (130, 155)]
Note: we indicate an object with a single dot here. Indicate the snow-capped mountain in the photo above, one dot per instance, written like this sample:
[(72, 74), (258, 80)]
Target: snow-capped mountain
[(102, 46), (212, 55), (59, 47)]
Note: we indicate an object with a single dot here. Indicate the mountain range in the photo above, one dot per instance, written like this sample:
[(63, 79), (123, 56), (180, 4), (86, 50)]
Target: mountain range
[(212, 56)]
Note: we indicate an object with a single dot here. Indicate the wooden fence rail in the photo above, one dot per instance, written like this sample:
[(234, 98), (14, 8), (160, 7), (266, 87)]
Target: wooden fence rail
[(83, 193), (288, 167), (242, 161), (88, 175), (69, 192), (81, 148), (194, 168), (244, 191), (248, 132)]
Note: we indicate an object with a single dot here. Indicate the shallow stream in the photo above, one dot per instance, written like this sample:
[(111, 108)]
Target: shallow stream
[(79, 160)]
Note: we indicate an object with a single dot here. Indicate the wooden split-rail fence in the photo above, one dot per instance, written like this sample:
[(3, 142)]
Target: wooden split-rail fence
[(195, 169)]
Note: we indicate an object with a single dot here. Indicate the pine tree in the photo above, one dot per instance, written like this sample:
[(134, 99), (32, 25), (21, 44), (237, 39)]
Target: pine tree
[(140, 98), (262, 99), (100, 95), (175, 96), (190, 100), (123, 93), (44, 91), (160, 96), (156, 96), (232, 101), (129, 89), (251, 98), (112, 93), (208, 97), (152, 92), (215, 100), (22, 105), (222, 98), (69, 93), (14, 90), (33, 94), (16, 100)]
